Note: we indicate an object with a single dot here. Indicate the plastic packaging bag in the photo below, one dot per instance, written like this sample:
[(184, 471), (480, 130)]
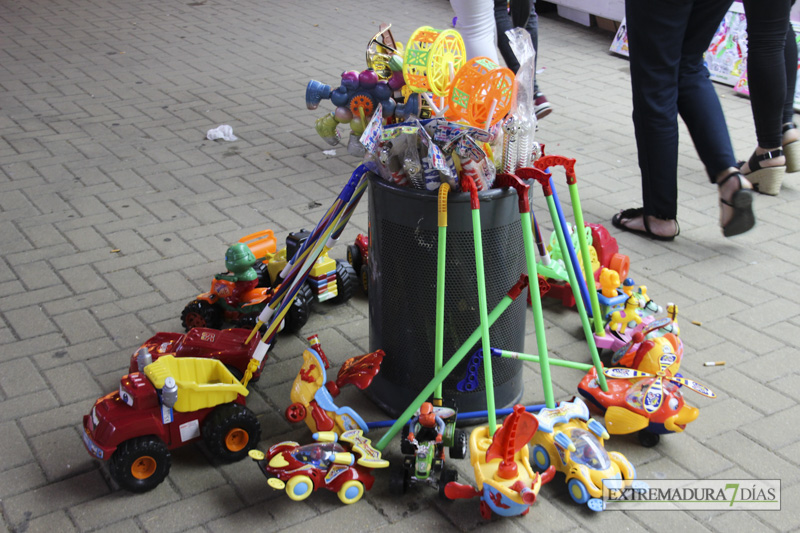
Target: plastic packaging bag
[(521, 125), (223, 132)]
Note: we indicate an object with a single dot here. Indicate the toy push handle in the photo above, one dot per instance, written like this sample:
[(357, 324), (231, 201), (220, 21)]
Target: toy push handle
[(468, 185), (536, 173), (444, 189), (522, 188), (548, 161)]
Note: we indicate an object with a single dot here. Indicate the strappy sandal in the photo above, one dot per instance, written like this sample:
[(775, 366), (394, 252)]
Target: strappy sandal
[(630, 214), (741, 201), (766, 180), (791, 150)]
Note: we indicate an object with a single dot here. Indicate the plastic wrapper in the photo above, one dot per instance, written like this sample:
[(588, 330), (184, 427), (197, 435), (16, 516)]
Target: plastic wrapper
[(412, 165), (520, 127)]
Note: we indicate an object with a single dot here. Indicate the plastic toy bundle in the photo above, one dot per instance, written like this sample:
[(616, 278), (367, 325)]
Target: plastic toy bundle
[(423, 154), (520, 125)]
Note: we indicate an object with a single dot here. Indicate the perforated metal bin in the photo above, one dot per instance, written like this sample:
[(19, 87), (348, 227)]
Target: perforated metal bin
[(402, 292)]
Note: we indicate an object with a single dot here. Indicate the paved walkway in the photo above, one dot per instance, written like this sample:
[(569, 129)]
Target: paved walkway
[(115, 212)]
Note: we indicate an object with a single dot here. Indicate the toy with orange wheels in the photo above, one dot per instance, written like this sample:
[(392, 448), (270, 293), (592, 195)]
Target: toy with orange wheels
[(431, 58), (481, 93)]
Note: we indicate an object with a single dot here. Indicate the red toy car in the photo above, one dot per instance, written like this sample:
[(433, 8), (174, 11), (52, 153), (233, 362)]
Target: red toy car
[(358, 257), (227, 346), (175, 401), (340, 464), (607, 255)]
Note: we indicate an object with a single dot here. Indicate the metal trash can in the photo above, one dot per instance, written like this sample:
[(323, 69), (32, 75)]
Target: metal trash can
[(403, 241)]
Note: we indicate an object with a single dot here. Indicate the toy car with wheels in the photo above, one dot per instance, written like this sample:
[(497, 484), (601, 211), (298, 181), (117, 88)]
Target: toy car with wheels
[(340, 463), (358, 257), (175, 401), (649, 405), (507, 485), (423, 449), (227, 346), (574, 444), (328, 280), (215, 308), (313, 395), (235, 296)]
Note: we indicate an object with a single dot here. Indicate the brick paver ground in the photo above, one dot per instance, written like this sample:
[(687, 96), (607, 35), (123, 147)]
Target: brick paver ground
[(115, 211)]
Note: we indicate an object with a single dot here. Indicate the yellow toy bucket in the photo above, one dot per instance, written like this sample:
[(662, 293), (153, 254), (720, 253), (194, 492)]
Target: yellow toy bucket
[(201, 382)]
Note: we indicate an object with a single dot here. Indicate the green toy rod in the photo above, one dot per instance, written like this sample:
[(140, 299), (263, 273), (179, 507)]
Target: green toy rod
[(444, 188), (451, 364), (547, 187), (467, 184), (572, 182), (536, 359), (523, 191)]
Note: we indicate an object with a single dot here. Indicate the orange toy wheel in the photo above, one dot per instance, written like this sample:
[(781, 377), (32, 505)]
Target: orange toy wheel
[(621, 264), (143, 467), (236, 440)]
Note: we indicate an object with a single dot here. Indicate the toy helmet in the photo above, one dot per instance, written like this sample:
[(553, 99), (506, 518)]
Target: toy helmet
[(426, 416), (239, 258)]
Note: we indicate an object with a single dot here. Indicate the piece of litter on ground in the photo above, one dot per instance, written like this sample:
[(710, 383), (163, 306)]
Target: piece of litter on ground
[(223, 132), (115, 250), (697, 323), (714, 363), (329, 152)]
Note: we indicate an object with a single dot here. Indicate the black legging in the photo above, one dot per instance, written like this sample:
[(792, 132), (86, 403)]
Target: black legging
[(771, 67)]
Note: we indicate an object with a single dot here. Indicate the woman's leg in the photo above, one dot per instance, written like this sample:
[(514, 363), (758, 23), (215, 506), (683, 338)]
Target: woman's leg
[(477, 27), (698, 102), (767, 24)]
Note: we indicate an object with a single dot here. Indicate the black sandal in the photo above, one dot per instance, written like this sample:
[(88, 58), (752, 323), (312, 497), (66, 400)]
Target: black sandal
[(630, 214), (766, 180), (742, 203)]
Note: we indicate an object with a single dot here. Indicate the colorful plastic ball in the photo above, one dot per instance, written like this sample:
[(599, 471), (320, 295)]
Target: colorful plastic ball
[(389, 106), (397, 80), (350, 79), (356, 126), (343, 114), (367, 79), (382, 91), (340, 96)]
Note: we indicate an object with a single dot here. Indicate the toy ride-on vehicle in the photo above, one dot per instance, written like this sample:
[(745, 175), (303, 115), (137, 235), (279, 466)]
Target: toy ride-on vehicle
[(573, 443), (506, 483), (340, 463), (235, 297), (428, 433), (644, 402), (603, 251), (313, 396), (328, 280), (227, 346), (175, 401)]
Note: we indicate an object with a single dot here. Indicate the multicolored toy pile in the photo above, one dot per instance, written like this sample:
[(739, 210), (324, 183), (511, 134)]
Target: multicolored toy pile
[(427, 117)]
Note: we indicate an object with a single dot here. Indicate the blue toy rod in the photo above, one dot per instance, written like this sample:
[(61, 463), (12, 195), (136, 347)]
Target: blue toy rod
[(587, 304)]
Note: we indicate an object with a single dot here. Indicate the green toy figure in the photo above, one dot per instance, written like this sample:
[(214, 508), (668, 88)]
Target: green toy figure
[(239, 261)]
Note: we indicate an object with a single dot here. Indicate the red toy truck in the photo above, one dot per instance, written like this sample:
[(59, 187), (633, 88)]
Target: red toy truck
[(227, 346), (173, 402)]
